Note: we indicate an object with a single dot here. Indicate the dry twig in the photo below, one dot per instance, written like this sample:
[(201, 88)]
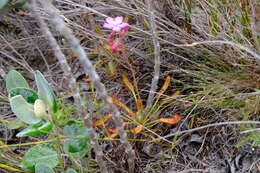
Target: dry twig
[(235, 45), (157, 58), (250, 131), (209, 125)]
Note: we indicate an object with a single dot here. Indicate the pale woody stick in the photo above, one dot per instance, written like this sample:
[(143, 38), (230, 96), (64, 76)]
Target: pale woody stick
[(156, 45)]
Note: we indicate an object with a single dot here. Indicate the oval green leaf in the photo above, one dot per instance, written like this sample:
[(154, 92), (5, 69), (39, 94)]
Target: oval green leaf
[(23, 110), (73, 129), (80, 154), (28, 94), (43, 168), (3, 3), (37, 129), (45, 92), (42, 153), (74, 145), (14, 80)]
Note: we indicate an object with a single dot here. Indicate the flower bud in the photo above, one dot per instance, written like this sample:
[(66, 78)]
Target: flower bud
[(40, 109)]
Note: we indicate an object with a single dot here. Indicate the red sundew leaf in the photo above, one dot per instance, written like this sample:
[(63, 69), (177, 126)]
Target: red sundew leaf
[(164, 87), (113, 133), (112, 130), (169, 99), (127, 83), (139, 105), (132, 114), (101, 122), (172, 120), (136, 130), (117, 102)]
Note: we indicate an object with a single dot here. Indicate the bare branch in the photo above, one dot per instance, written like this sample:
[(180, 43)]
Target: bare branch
[(157, 58), (209, 125), (250, 130), (239, 46)]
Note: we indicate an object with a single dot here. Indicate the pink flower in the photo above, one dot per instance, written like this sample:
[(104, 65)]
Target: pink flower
[(116, 24)]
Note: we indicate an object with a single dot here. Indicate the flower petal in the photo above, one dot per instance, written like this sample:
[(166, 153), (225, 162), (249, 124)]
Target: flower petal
[(108, 25), (116, 28), (124, 26), (109, 20), (118, 20)]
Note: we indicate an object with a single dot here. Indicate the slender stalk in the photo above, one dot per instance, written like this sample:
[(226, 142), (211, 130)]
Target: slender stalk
[(156, 44), (72, 85), (250, 130), (208, 126), (235, 45), (89, 69)]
